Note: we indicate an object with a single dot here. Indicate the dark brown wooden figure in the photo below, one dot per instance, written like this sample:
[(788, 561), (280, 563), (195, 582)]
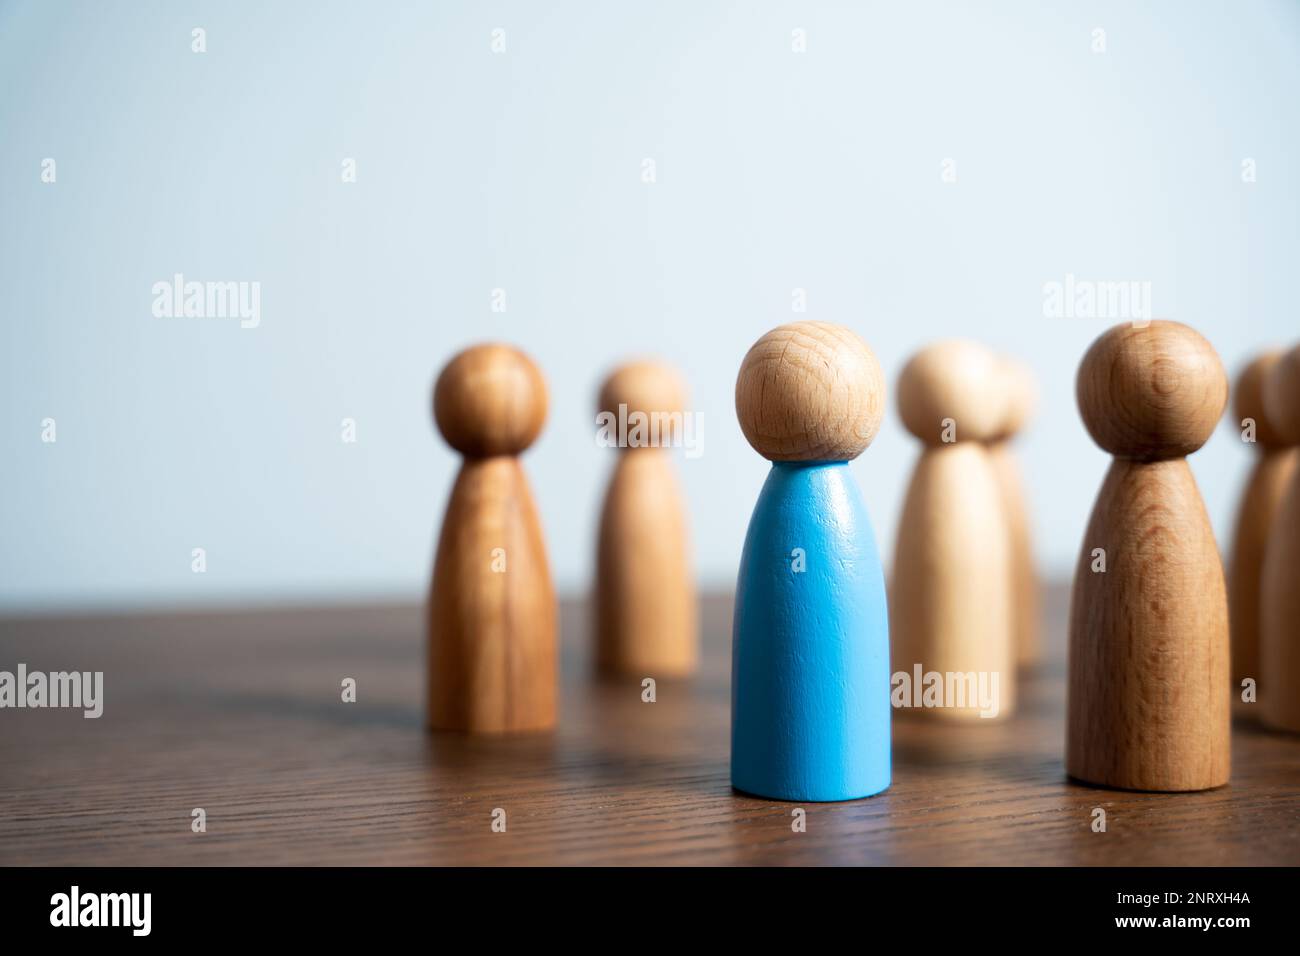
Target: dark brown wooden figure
[(1148, 660), (492, 612), (1256, 515), (1279, 651)]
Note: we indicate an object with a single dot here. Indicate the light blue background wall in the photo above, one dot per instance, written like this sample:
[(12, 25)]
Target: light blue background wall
[(522, 170)]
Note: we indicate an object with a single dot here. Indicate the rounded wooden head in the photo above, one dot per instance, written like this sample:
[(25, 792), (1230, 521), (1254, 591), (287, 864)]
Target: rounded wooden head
[(810, 391), (649, 388), (1151, 392), (643, 386), (1248, 400), (954, 390), (490, 400), (1282, 397), (1021, 389)]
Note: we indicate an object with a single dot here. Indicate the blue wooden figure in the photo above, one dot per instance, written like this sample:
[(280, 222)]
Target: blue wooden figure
[(810, 639)]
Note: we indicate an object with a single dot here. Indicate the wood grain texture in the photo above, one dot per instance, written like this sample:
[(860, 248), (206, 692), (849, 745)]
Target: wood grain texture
[(810, 391), (1151, 392), (950, 597), (492, 613), (1149, 704), (1149, 697), (239, 713)]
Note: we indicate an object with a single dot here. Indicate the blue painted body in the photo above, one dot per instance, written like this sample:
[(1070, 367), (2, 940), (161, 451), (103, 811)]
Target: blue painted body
[(810, 650)]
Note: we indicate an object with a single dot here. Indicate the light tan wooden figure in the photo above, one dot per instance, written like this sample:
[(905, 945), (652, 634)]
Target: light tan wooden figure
[(1256, 515), (1022, 397), (645, 596), (1148, 670), (492, 611), (950, 606), (1279, 650)]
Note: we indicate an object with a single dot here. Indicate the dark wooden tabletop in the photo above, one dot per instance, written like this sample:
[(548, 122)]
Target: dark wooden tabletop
[(241, 714)]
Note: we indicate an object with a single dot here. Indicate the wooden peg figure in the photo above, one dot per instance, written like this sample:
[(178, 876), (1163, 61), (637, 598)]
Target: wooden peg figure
[(1022, 396), (951, 598), (1279, 651), (1256, 516), (645, 595), (492, 611), (810, 688), (1148, 669)]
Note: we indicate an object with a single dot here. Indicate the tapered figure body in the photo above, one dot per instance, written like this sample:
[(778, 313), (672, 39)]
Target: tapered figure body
[(810, 660), (1256, 516), (1148, 669), (1015, 510), (951, 609), (492, 612), (645, 596), (1279, 665)]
